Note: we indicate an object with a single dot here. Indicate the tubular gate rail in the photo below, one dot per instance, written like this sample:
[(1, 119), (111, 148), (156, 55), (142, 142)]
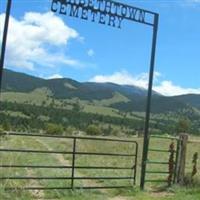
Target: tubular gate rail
[(171, 163), (73, 166)]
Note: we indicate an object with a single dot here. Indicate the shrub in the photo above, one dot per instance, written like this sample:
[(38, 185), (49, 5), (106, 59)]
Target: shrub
[(70, 131), (93, 130), (54, 129), (191, 181)]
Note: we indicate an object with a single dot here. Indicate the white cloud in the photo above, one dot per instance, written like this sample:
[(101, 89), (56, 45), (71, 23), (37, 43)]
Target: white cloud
[(55, 76), (90, 52), (169, 89), (31, 38), (166, 88), (124, 78)]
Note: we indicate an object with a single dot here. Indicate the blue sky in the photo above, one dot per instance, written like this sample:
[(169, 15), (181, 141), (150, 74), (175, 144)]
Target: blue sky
[(50, 45)]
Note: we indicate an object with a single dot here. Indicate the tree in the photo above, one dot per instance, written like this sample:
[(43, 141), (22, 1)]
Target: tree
[(107, 130), (183, 125), (54, 129), (93, 130), (6, 126), (77, 107)]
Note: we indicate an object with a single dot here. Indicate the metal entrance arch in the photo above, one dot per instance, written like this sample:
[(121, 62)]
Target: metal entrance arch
[(110, 9)]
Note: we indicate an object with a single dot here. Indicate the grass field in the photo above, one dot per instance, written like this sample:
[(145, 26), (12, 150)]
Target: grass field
[(151, 192)]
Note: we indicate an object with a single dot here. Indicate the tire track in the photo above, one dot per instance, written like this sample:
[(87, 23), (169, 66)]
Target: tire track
[(66, 162)]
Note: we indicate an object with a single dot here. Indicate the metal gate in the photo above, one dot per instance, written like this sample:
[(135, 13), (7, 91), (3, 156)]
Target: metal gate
[(167, 162), (74, 152)]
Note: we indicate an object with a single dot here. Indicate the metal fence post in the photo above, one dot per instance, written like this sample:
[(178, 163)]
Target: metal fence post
[(135, 166), (4, 40), (73, 163), (148, 106)]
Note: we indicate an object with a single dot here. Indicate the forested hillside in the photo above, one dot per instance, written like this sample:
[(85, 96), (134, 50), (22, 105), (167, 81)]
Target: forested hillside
[(32, 103)]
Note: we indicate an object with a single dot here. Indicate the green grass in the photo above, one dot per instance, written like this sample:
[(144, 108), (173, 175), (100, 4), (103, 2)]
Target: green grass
[(117, 98), (15, 114), (34, 97), (87, 146), (37, 97)]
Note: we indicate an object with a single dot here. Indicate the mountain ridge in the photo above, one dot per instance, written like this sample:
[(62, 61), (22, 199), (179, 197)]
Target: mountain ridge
[(30, 102), (67, 88), (14, 81)]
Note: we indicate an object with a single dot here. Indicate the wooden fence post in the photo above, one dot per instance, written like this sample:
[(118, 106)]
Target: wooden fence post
[(182, 157)]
